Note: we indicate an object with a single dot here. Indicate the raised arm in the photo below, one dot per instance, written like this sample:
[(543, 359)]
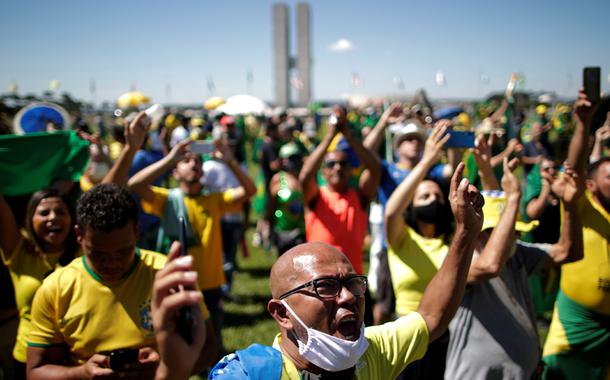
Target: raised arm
[(482, 156), (444, 293), (569, 188), (140, 182), (311, 165), (511, 146), (403, 195), (246, 188), (536, 206), (579, 145), (9, 230), (391, 115), (489, 263), (135, 134)]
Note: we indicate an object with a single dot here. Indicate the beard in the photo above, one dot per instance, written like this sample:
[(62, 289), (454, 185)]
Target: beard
[(603, 200)]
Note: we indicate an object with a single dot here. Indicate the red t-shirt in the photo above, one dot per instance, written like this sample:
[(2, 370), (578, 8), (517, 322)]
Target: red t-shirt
[(339, 220)]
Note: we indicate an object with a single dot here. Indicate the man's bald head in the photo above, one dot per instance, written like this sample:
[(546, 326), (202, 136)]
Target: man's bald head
[(299, 264)]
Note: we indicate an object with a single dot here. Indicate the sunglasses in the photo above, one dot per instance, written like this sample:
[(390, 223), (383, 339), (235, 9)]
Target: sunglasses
[(332, 163)]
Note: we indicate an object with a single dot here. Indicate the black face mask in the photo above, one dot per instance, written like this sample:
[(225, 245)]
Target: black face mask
[(430, 213)]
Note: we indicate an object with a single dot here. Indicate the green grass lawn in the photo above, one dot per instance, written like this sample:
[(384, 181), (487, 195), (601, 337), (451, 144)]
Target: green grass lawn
[(246, 320)]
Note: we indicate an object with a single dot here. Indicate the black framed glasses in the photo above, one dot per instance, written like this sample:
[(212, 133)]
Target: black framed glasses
[(330, 287)]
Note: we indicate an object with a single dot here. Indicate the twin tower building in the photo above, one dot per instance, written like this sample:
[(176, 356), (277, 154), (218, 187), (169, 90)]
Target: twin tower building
[(292, 72)]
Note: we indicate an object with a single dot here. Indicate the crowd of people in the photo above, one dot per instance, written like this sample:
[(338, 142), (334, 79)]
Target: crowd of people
[(118, 265)]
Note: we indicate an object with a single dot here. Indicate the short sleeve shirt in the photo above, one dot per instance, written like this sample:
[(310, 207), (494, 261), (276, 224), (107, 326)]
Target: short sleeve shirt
[(204, 214), (392, 346)]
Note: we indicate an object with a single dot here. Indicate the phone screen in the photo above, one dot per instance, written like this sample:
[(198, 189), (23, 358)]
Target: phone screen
[(202, 147)]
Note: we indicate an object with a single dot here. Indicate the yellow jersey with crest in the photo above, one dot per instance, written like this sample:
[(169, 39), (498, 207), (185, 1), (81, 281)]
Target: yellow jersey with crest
[(76, 308), (28, 267)]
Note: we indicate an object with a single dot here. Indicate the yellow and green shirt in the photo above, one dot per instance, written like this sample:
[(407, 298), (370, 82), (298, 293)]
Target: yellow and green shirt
[(75, 308), (413, 263), (204, 214), (27, 269), (392, 346), (587, 281)]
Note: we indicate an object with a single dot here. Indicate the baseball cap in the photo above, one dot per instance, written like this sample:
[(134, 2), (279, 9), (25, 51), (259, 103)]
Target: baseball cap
[(410, 128), (495, 202)]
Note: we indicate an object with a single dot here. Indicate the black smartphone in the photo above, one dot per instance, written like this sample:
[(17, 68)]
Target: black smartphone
[(120, 358), (185, 315), (591, 82)]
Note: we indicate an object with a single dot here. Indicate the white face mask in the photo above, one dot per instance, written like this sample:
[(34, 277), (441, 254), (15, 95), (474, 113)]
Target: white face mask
[(328, 352)]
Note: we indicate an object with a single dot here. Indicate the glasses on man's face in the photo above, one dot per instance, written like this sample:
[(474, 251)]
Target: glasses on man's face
[(330, 287), (331, 163)]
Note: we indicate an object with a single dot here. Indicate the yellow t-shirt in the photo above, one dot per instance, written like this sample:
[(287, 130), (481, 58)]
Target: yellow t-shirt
[(204, 214), (75, 308), (587, 281), (392, 346), (27, 269), (413, 263)]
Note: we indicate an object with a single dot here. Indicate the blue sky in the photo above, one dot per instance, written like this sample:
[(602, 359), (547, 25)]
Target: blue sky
[(178, 45)]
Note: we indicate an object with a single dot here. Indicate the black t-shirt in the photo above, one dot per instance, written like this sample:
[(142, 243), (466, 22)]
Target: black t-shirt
[(269, 153)]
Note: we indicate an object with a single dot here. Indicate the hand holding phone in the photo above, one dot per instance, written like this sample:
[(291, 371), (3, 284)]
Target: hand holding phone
[(119, 359), (185, 323)]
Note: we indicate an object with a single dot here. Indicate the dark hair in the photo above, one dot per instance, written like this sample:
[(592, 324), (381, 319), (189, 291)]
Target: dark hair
[(71, 245), (594, 166), (106, 207)]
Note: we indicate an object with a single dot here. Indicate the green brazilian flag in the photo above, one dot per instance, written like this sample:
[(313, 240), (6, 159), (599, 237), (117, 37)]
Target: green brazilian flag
[(31, 162)]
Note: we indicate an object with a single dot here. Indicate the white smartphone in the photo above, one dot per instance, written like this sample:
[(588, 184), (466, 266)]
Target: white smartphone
[(202, 147)]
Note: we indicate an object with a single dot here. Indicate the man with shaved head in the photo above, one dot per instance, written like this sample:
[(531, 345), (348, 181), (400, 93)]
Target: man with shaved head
[(318, 304)]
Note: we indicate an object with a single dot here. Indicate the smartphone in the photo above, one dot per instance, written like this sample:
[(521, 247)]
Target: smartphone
[(202, 147), (120, 358), (185, 321), (460, 139), (591, 82)]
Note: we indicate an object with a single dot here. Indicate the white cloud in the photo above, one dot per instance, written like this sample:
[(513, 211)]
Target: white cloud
[(342, 45)]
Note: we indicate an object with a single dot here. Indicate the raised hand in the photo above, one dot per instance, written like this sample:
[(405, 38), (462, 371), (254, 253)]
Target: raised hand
[(583, 108), (223, 152), (466, 202), (179, 151), (569, 186), (177, 356), (393, 114), (603, 133), (135, 132), (510, 183), (435, 143), (482, 151)]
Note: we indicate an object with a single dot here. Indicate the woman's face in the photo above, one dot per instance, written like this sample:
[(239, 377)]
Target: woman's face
[(426, 192), (51, 223)]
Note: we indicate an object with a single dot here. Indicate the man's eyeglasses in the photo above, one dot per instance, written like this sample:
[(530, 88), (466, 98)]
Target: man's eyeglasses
[(332, 163), (330, 287)]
